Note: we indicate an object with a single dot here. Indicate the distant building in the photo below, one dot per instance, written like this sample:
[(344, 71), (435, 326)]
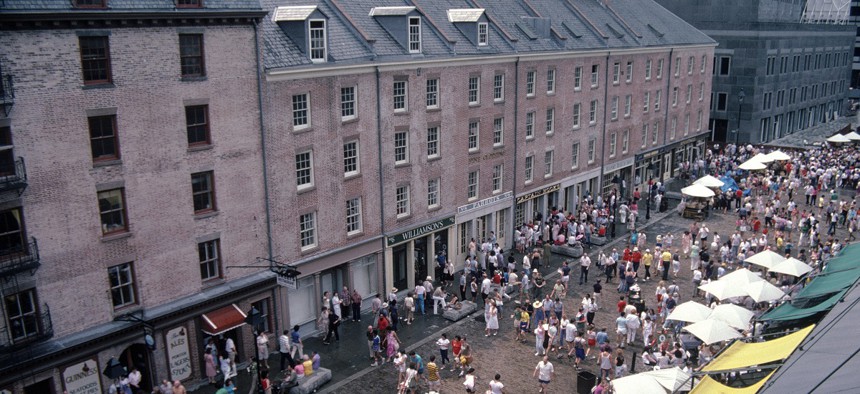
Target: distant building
[(792, 60)]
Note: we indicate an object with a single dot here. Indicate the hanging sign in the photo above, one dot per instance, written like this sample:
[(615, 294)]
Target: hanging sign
[(178, 355)]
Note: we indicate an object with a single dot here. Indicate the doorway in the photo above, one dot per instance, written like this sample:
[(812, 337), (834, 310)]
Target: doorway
[(332, 280), (667, 167), (44, 387), (137, 356), (399, 267)]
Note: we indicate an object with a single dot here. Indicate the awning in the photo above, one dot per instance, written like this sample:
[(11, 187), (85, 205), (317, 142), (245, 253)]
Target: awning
[(790, 312), (742, 354), (222, 320), (827, 283), (708, 385)]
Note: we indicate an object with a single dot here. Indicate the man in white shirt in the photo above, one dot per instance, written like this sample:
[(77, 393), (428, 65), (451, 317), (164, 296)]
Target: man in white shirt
[(230, 346), (544, 372), (284, 347), (496, 386), (134, 378)]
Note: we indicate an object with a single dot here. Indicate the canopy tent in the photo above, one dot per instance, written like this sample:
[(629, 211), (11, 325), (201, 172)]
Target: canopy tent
[(697, 190), (766, 258), (779, 155), (712, 331), (745, 354), (708, 385), (638, 383), (752, 165), (730, 184), (741, 276), (827, 283), (838, 138), (690, 311), (763, 291), (791, 266), (733, 315), (722, 289), (709, 181), (788, 311), (853, 136), (761, 158), (673, 379)]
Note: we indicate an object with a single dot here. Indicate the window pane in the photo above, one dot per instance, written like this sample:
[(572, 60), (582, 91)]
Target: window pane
[(112, 210), (191, 55), (103, 139)]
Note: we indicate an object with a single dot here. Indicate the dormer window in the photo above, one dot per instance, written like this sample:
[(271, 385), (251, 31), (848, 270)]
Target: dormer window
[(189, 3), (483, 34), (414, 34), (317, 41), (91, 3)]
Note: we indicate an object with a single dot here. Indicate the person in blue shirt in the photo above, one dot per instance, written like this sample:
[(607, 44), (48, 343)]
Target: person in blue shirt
[(419, 364)]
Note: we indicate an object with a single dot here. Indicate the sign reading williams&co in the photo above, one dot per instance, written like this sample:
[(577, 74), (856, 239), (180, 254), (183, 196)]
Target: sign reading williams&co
[(419, 231), (538, 193)]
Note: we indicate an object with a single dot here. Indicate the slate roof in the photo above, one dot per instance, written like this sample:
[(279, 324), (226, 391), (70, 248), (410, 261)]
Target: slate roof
[(516, 26), (126, 5)]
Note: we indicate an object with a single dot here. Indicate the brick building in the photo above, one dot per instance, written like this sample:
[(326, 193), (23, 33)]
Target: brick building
[(353, 140)]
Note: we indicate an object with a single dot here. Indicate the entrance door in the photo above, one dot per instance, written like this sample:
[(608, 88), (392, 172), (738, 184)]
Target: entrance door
[(44, 387), (420, 258), (667, 166), (332, 280), (399, 267), (137, 356), (481, 227)]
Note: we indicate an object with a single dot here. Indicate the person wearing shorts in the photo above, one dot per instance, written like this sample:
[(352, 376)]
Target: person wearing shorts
[(456, 347), (433, 379), (543, 372)]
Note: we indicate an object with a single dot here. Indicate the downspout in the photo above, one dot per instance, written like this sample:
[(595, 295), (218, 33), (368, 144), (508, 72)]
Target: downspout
[(379, 169), (516, 145), (668, 108), (265, 166), (603, 137)]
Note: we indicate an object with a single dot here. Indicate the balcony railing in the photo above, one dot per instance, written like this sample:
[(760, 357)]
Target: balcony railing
[(7, 92), (13, 176), (25, 331), (22, 259)]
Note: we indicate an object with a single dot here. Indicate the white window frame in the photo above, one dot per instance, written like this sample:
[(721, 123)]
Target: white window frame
[(402, 207), (701, 91), (356, 158), (595, 75), (474, 87), (577, 78), (644, 135), (414, 34), (677, 66), (548, 158), (433, 142), (675, 96), (655, 133), (660, 68), (314, 49), (689, 96), (648, 70), (530, 83), (703, 65), (309, 169), (401, 147), (691, 63), (529, 167), (301, 111), (498, 172), (550, 121), (616, 73), (307, 230), (499, 88), (592, 147), (483, 34), (432, 93), (472, 180), (400, 93), (613, 108), (474, 136), (530, 125), (577, 115), (658, 99), (574, 156), (625, 142), (629, 77), (699, 121), (433, 193), (354, 223), (686, 124), (550, 81), (628, 103), (498, 132), (646, 101), (613, 142), (673, 126), (592, 112), (348, 104)]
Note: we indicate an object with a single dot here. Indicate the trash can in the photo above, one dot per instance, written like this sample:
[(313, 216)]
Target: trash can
[(585, 382)]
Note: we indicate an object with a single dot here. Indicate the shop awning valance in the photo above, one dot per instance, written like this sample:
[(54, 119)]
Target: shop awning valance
[(742, 354), (708, 385), (222, 320), (790, 312), (828, 283)]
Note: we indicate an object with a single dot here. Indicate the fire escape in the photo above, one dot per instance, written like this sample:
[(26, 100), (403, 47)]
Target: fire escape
[(24, 320)]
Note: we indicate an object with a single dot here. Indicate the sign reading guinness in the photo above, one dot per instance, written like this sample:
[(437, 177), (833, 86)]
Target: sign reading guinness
[(83, 378), (419, 231), (538, 193)]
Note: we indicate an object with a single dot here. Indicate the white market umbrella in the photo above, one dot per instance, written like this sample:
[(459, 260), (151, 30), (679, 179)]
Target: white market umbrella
[(697, 191), (741, 277), (853, 136), (779, 155), (636, 384), (723, 289), (673, 379), (761, 158), (690, 311), (752, 165), (763, 291), (733, 315), (712, 331), (791, 266), (709, 181), (766, 258), (839, 138)]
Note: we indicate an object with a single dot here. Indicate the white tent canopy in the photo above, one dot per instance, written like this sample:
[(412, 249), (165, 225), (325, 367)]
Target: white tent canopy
[(838, 138), (752, 165), (733, 315), (779, 155), (709, 181), (638, 383), (766, 258), (673, 379), (763, 291), (690, 311), (761, 158), (697, 191), (741, 277), (723, 289), (712, 331), (791, 266), (853, 136)]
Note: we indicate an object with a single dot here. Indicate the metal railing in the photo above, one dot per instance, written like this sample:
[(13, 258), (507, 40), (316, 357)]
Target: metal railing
[(20, 259), (13, 176), (12, 339)]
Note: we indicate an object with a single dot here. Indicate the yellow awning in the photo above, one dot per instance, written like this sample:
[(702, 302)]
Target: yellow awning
[(711, 386), (742, 354)]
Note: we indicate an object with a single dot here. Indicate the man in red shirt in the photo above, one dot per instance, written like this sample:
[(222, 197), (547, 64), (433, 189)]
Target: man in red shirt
[(621, 305), (636, 258)]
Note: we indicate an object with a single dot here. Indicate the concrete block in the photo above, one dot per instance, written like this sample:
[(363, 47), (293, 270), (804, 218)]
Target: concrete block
[(466, 309), (309, 384)]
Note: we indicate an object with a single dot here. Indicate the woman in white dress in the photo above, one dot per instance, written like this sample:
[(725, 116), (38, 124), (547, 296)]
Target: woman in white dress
[(492, 319)]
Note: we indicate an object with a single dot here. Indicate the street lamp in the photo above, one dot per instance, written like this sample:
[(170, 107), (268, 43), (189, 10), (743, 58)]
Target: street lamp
[(617, 181), (741, 96), (255, 319), (650, 169)]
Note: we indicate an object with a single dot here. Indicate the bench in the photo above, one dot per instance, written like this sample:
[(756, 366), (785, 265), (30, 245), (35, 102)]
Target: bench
[(567, 251), (466, 309), (310, 384), (598, 240)]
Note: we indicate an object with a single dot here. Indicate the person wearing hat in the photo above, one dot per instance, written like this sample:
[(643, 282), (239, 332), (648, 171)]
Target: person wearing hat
[(636, 259), (647, 260)]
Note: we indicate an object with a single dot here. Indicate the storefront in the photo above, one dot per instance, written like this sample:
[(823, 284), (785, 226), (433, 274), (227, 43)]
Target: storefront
[(666, 161), (575, 188), (487, 218), (618, 175), (411, 253), (532, 206)]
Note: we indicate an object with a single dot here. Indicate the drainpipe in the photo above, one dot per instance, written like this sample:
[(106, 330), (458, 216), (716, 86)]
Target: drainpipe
[(379, 169), (516, 145), (603, 132), (265, 165)]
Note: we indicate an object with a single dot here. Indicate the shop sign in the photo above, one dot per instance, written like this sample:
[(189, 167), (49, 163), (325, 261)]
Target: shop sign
[(288, 282), (538, 193), (178, 356), (618, 165), (487, 201), (488, 156), (82, 378), (419, 231)]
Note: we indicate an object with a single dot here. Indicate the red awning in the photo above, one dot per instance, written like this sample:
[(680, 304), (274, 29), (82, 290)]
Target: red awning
[(223, 320)]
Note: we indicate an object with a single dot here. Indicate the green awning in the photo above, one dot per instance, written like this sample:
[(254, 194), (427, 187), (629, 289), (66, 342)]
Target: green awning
[(827, 283), (788, 311)]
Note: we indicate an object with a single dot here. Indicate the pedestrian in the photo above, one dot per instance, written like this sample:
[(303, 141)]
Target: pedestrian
[(544, 373), (496, 386), (333, 324), (584, 265), (211, 371), (263, 349), (297, 346), (284, 347), (492, 319), (434, 381), (375, 307), (356, 305), (443, 343), (409, 305), (371, 334), (392, 344), (469, 381)]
